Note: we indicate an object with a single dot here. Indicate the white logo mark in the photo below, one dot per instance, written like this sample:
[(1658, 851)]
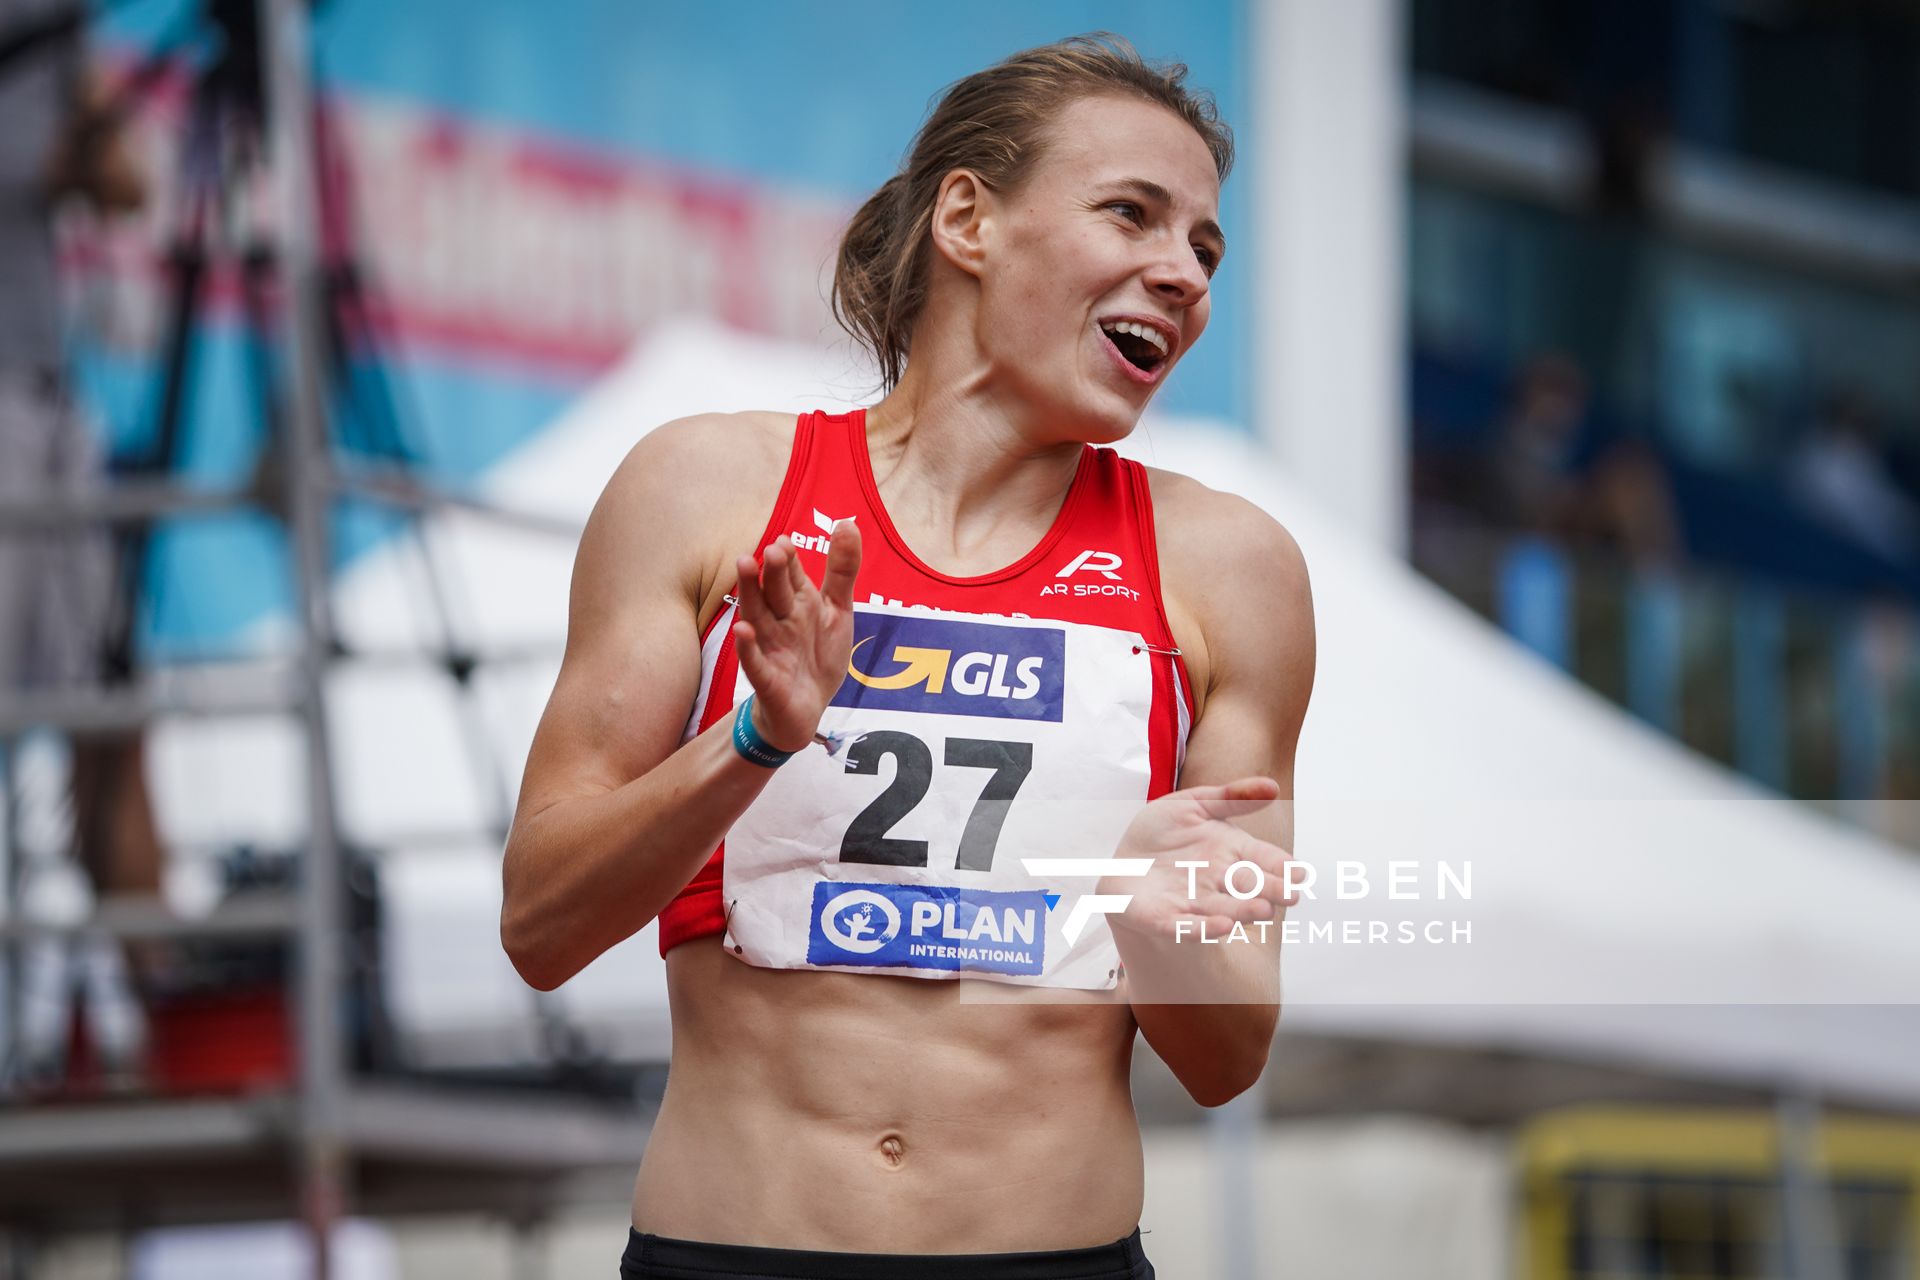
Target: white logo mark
[(816, 541), (1095, 561), (1088, 905), (857, 934)]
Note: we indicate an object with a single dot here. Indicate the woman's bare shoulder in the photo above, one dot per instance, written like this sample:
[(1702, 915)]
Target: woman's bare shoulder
[(1223, 560), (1176, 489), (742, 440), (703, 485), (1202, 529), (706, 464)]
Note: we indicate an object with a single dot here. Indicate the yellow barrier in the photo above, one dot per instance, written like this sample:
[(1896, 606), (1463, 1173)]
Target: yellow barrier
[(1680, 1143)]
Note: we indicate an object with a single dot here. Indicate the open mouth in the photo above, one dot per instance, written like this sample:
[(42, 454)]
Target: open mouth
[(1142, 347)]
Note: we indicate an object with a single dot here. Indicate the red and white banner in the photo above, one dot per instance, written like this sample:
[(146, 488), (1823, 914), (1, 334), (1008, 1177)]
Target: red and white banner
[(488, 242)]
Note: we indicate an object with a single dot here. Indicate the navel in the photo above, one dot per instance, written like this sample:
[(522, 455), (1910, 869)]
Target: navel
[(893, 1150)]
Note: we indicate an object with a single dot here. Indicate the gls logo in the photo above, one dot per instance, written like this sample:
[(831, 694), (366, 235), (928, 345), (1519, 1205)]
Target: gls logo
[(915, 663), (1102, 562), (1089, 905), (815, 542), (973, 673)]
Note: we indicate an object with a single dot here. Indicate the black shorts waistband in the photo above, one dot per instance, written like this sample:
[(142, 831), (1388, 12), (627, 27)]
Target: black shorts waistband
[(650, 1257)]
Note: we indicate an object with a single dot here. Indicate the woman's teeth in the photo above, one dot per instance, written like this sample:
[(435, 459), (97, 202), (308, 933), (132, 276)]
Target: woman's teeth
[(1139, 331)]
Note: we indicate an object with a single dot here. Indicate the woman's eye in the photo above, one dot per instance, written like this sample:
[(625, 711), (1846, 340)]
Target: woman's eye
[(1208, 260), (1128, 209)]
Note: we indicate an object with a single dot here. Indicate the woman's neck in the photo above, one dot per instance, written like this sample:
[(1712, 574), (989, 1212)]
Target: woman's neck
[(963, 465)]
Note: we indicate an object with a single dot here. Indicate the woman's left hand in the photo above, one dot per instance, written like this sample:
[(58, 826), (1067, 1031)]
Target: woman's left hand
[(1190, 826)]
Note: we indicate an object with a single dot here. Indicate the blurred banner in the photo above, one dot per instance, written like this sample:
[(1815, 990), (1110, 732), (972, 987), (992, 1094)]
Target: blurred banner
[(530, 198)]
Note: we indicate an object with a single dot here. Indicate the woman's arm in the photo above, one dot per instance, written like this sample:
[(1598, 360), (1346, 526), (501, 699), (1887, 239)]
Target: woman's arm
[(1210, 1011), (614, 816)]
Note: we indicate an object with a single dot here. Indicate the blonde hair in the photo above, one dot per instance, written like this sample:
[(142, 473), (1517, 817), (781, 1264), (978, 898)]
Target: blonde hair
[(994, 124)]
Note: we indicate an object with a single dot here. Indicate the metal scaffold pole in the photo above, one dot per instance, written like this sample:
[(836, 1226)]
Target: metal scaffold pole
[(287, 59)]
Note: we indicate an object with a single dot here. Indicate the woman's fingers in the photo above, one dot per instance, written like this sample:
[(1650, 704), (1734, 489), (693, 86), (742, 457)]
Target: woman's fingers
[(796, 576), (1238, 798), (1270, 860), (746, 576), (1279, 890), (1269, 857), (780, 581), (755, 586), (776, 584), (1258, 907), (843, 564), (1215, 926), (746, 646), (779, 602)]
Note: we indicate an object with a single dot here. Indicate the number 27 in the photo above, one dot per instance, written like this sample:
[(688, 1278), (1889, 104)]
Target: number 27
[(867, 839)]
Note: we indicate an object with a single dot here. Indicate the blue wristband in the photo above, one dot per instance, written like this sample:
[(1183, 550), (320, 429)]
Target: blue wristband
[(748, 742)]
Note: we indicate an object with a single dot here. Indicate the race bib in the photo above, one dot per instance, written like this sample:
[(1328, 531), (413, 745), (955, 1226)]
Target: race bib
[(969, 743)]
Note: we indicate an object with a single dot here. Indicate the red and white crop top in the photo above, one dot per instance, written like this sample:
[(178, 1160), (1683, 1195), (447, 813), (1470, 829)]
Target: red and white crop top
[(1097, 565)]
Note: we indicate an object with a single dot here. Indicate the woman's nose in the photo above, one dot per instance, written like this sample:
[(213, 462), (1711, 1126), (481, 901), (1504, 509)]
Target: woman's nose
[(1179, 278)]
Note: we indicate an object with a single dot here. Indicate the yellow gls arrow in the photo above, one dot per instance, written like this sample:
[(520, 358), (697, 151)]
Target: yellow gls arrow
[(922, 664)]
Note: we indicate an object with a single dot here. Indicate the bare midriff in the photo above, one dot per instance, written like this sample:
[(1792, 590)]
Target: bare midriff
[(882, 1114)]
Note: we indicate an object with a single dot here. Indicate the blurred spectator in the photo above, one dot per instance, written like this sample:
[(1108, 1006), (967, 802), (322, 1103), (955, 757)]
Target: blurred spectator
[(1839, 475), (1549, 478), (1535, 486), (1607, 271), (62, 142), (1630, 506), (1626, 136)]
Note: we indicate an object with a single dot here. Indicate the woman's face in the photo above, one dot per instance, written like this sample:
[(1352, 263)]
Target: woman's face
[(1116, 228)]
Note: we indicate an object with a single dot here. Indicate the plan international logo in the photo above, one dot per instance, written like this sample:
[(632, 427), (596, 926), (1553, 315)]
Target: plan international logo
[(928, 927), (963, 668)]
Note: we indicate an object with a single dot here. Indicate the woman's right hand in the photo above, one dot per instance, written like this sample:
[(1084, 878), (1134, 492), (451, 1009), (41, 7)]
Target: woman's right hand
[(794, 640)]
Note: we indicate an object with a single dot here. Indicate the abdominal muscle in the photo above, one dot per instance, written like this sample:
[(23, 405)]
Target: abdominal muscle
[(881, 1114)]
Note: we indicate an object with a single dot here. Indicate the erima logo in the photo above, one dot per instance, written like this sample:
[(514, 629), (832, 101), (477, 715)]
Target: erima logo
[(815, 541), (936, 664), (1089, 905), (1104, 562)]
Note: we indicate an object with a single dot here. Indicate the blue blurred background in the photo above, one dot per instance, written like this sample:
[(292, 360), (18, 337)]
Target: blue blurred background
[(759, 105)]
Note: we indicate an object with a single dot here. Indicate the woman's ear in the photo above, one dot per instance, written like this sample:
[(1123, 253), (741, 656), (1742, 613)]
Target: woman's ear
[(962, 211)]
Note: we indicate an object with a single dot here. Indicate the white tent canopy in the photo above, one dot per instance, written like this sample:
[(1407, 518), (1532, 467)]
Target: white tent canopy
[(1631, 903)]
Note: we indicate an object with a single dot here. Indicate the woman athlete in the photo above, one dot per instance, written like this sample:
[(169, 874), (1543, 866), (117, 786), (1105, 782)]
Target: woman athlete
[(973, 641)]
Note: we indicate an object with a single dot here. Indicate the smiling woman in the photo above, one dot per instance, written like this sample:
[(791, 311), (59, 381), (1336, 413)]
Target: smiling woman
[(904, 1007)]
